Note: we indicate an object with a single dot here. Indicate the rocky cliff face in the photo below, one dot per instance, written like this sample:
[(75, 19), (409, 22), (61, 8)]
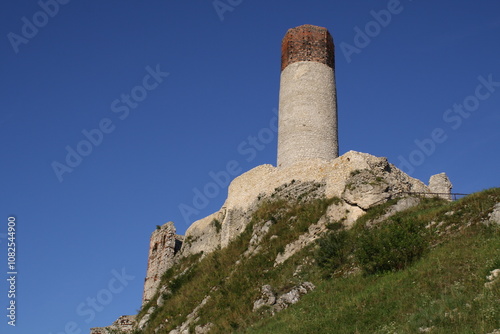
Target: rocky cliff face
[(356, 180)]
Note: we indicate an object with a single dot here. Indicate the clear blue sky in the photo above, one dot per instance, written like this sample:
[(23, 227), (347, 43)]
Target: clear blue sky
[(87, 65)]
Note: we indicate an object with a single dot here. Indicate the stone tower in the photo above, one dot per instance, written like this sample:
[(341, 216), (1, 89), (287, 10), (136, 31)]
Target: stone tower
[(308, 99)]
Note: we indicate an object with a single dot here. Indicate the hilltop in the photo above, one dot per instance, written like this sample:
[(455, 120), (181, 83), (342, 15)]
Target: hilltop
[(409, 265)]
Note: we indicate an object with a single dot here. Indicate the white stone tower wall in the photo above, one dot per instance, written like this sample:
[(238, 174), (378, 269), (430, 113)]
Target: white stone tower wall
[(308, 102), (307, 113)]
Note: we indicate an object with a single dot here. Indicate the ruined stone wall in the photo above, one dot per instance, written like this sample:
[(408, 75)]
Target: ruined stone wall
[(163, 246), (359, 179), (440, 184)]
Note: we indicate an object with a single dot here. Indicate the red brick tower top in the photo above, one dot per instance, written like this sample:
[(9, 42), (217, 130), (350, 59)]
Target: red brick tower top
[(307, 43)]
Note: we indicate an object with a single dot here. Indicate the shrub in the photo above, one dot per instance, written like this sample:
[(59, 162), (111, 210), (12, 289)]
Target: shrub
[(391, 246), (333, 249), (217, 224)]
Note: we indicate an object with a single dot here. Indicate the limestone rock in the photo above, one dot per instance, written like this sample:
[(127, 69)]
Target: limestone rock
[(401, 205), (293, 296), (312, 234), (164, 291), (365, 188), (268, 297), (371, 180), (259, 232), (287, 299), (190, 319), (440, 183), (203, 329), (124, 324), (495, 214), (145, 319), (493, 279), (344, 213)]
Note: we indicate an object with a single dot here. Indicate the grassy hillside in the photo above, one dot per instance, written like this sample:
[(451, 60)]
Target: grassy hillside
[(421, 270)]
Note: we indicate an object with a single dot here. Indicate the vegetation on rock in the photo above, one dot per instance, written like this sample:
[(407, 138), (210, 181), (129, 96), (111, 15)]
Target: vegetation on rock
[(420, 270)]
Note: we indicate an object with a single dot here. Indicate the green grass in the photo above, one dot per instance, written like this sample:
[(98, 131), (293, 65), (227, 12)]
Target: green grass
[(232, 287), (442, 288)]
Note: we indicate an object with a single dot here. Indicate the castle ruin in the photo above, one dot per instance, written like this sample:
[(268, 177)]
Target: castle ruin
[(308, 166)]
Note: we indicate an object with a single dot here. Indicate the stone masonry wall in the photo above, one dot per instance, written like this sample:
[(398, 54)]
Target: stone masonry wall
[(163, 246), (307, 100), (307, 43), (371, 180), (440, 184)]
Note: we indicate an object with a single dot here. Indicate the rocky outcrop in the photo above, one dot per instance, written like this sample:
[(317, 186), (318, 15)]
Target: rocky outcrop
[(339, 211), (293, 296), (312, 234), (125, 324), (440, 184), (193, 318), (163, 246), (361, 180), (268, 297), (343, 212), (493, 278), (494, 216), (278, 303), (259, 232), (401, 205), (145, 319), (356, 181)]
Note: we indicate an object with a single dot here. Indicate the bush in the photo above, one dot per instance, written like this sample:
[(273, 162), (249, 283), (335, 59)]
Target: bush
[(391, 246), (333, 249), (217, 224)]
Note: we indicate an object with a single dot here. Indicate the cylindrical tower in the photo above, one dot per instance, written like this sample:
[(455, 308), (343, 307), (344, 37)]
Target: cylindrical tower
[(308, 100)]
